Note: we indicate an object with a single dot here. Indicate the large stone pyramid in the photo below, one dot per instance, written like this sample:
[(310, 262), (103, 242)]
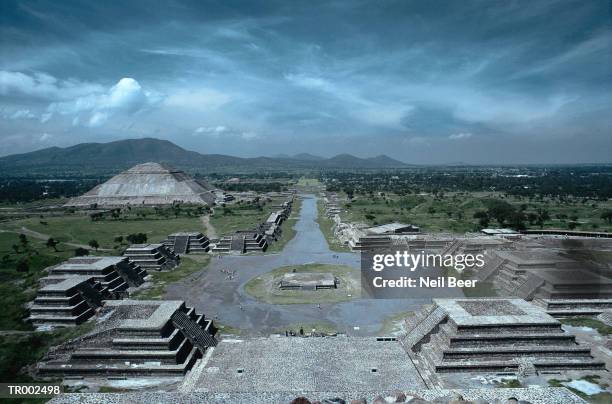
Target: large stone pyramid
[(147, 184)]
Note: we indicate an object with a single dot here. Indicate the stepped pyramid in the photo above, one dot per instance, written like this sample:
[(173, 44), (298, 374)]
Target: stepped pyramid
[(492, 336), (147, 184)]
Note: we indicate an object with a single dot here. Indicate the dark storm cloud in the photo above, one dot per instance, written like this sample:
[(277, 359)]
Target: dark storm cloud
[(420, 81)]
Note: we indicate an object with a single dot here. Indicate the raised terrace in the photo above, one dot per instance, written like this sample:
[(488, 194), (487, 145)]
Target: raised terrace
[(242, 242), (187, 243), (145, 338), (67, 301), (491, 335), (539, 273), (115, 273), (280, 363), (152, 256)]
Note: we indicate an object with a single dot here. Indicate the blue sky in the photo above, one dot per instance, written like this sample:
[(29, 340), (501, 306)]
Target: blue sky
[(420, 81)]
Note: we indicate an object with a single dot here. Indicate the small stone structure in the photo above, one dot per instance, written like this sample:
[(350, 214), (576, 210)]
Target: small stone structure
[(308, 281), (152, 256), (260, 238), (75, 289), (491, 335), (243, 241), (151, 184), (187, 243), (281, 364), (544, 274), (68, 301), (135, 337), (114, 273)]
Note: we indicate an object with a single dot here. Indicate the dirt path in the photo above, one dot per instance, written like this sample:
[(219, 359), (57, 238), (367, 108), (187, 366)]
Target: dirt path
[(210, 230), (45, 237)]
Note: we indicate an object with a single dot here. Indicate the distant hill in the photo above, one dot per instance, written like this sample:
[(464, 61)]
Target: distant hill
[(308, 157), (122, 154)]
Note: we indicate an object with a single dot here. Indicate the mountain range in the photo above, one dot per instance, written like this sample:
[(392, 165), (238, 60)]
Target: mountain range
[(123, 154)]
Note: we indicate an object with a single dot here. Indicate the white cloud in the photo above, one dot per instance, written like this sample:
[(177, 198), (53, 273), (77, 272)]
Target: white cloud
[(197, 99), (460, 136), (43, 86), (45, 137), (97, 119), (217, 131), (311, 82), (211, 130), (124, 98), (18, 114)]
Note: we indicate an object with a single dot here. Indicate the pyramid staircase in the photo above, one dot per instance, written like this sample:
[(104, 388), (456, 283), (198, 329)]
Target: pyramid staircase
[(439, 345), (169, 351)]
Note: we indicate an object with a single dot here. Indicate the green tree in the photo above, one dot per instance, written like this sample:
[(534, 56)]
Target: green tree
[(80, 252), (94, 244), (24, 241), (52, 243), (23, 266)]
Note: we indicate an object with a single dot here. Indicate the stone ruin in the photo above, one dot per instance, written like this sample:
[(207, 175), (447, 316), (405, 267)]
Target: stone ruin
[(542, 274), (187, 243), (70, 301), (308, 281), (75, 289), (242, 241), (135, 337), (152, 256), (148, 184), (491, 336), (258, 239)]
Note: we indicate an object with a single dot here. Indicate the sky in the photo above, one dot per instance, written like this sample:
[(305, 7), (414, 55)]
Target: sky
[(425, 82)]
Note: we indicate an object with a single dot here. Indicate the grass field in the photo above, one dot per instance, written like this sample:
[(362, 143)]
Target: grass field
[(308, 182), (326, 225), (21, 350), (265, 287), (19, 287), (602, 328), (81, 229), (227, 220), (454, 212), (189, 265)]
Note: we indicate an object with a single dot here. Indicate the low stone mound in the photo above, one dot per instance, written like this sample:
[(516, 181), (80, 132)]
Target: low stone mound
[(133, 337), (492, 335)]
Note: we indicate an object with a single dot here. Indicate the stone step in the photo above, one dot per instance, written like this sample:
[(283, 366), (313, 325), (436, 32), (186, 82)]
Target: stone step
[(514, 339), (75, 309), (423, 329), (528, 329), (61, 320), (576, 364), (169, 342), (515, 352), (136, 369), (57, 300), (164, 356)]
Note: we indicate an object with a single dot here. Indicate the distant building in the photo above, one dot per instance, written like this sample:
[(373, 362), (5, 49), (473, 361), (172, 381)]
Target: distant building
[(393, 228), (147, 184)]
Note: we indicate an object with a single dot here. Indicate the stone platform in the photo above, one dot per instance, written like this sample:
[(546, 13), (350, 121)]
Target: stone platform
[(492, 336), (277, 364), (135, 338)]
